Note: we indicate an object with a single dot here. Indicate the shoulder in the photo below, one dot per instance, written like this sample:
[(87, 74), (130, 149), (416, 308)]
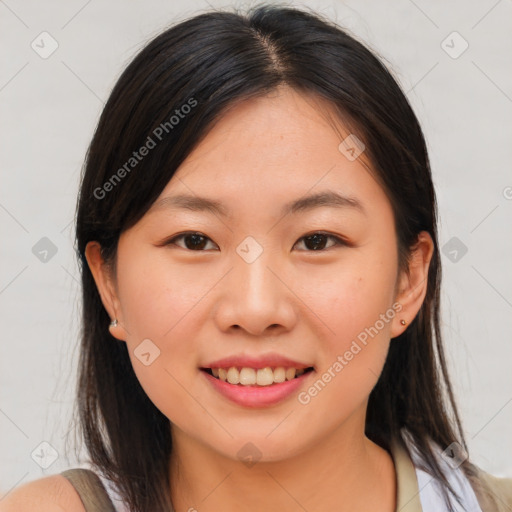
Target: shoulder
[(53, 493), (493, 493)]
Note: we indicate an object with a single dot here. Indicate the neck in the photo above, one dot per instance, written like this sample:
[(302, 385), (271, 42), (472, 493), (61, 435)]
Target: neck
[(344, 471)]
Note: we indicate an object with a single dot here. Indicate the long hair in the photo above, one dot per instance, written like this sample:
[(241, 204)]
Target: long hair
[(212, 62)]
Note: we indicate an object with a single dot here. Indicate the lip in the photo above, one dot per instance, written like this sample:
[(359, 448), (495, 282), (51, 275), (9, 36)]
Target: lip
[(272, 359), (257, 396)]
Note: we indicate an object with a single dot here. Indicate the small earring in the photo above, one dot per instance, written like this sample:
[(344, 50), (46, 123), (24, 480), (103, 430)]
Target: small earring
[(114, 323), (403, 322)]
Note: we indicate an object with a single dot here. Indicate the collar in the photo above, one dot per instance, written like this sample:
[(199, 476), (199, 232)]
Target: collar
[(408, 494)]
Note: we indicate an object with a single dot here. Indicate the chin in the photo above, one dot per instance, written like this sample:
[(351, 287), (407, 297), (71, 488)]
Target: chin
[(260, 448)]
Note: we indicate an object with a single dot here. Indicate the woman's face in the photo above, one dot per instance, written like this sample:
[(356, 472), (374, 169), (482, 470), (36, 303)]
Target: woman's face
[(252, 291)]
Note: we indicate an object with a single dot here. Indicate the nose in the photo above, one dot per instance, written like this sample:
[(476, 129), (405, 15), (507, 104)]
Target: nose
[(256, 297)]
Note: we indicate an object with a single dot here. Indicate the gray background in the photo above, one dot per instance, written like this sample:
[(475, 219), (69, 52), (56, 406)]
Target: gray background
[(49, 110)]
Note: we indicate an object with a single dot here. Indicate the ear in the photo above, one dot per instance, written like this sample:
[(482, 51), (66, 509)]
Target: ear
[(105, 283), (412, 286)]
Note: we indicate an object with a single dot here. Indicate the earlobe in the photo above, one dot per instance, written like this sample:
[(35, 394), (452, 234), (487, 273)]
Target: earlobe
[(414, 284), (106, 288)]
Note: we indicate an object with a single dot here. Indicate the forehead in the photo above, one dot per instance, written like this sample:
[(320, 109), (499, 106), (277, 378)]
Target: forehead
[(271, 151)]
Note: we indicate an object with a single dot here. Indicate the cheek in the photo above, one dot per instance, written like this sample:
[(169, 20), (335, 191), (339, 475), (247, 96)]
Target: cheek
[(167, 387), (350, 298), (157, 295), (355, 303), (159, 306), (164, 356), (351, 359)]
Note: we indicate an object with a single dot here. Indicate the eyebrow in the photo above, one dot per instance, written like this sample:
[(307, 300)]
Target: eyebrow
[(326, 198)]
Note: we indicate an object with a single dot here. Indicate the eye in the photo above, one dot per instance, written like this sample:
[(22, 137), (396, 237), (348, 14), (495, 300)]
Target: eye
[(317, 241), (193, 241), (196, 241)]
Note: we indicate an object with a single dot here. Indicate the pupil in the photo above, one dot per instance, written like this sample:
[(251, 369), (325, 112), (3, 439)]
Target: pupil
[(197, 244), (317, 240), (314, 242)]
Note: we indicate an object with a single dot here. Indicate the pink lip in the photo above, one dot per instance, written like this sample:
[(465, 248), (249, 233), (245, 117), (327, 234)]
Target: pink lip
[(272, 360), (257, 396)]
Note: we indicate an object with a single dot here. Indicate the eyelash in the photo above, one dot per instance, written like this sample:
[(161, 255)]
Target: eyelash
[(338, 241)]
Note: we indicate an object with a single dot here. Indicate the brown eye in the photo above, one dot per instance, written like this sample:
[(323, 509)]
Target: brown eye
[(318, 241), (192, 241), (198, 242)]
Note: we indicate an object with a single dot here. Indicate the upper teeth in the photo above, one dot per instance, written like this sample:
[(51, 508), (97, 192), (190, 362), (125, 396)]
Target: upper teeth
[(251, 376)]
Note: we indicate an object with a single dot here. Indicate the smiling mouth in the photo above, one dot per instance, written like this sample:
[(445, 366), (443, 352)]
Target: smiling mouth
[(244, 376)]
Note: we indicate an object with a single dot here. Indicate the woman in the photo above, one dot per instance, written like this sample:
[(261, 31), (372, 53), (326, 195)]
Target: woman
[(261, 279)]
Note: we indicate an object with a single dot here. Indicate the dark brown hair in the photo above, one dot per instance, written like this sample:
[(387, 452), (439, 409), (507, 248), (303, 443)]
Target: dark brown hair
[(218, 59)]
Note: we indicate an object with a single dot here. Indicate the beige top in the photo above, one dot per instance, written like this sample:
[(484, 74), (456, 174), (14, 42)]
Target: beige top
[(96, 499)]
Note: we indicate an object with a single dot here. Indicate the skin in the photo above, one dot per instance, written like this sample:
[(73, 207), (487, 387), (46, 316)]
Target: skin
[(198, 306)]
